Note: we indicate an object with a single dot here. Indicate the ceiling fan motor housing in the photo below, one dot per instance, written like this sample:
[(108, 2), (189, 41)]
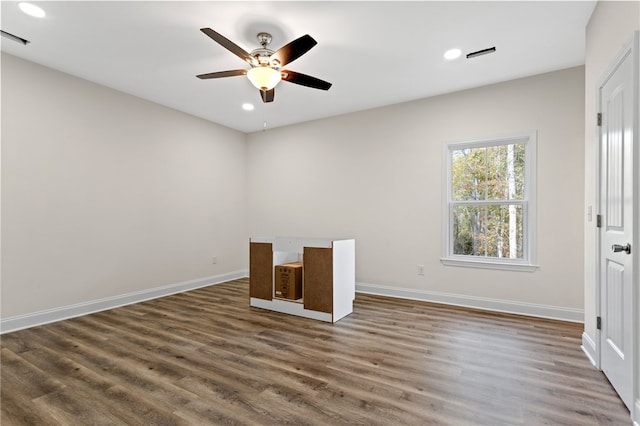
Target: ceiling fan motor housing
[(263, 54)]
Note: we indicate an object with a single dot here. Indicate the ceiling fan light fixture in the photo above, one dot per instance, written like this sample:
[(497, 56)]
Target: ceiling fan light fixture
[(265, 64), (264, 78)]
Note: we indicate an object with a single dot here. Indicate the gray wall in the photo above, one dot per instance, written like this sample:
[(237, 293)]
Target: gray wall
[(105, 194), (377, 176)]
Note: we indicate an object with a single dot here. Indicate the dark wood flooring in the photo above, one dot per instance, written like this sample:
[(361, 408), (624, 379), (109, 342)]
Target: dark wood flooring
[(206, 358)]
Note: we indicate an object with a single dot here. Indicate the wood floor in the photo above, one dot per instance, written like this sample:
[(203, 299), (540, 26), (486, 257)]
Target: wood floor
[(205, 357)]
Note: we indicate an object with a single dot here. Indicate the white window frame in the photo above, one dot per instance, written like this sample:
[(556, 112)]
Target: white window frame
[(528, 261)]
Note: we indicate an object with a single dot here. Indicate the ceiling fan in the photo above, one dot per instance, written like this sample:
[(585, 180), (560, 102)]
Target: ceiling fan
[(265, 72)]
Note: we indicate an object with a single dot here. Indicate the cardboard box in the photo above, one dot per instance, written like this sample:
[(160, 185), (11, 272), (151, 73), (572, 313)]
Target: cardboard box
[(288, 281)]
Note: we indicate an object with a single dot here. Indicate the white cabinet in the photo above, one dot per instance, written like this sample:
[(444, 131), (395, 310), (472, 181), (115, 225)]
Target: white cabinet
[(328, 275)]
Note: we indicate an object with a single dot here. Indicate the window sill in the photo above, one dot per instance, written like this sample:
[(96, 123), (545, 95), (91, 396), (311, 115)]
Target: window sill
[(488, 264)]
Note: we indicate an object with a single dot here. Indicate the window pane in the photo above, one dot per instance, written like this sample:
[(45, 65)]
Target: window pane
[(468, 174), (468, 230), (504, 231), (492, 231), (505, 172)]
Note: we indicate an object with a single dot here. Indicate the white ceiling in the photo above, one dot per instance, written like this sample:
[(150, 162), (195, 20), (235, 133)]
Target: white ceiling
[(374, 53)]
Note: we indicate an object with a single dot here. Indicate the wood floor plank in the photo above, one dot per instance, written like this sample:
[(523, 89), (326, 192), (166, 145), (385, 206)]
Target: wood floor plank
[(26, 378), (63, 406), (205, 357), (13, 411)]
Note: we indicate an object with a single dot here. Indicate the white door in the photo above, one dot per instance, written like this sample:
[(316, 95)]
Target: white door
[(616, 232)]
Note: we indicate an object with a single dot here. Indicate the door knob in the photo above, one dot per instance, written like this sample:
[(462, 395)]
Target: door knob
[(618, 248)]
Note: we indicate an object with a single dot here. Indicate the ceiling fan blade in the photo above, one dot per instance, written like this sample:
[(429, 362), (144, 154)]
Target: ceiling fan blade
[(229, 45), (294, 50), (220, 74), (267, 95), (305, 80)]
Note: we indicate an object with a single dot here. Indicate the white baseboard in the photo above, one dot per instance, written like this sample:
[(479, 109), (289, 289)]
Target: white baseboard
[(20, 322), (542, 311), (590, 349)]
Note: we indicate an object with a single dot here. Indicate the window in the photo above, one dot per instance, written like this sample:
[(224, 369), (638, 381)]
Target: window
[(489, 208)]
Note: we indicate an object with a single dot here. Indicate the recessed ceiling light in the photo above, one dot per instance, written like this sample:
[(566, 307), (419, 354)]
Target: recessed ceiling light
[(32, 10), (452, 54), (247, 107)]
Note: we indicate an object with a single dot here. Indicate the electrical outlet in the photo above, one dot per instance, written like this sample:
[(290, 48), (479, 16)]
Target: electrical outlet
[(214, 260), (420, 269)]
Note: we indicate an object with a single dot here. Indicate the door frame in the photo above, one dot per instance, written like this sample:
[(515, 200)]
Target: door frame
[(631, 49)]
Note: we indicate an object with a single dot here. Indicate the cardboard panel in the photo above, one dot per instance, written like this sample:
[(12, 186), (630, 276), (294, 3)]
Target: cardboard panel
[(318, 279), (261, 270)]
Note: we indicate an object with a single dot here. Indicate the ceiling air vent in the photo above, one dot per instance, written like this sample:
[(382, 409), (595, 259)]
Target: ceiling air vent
[(14, 37), (481, 52)]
